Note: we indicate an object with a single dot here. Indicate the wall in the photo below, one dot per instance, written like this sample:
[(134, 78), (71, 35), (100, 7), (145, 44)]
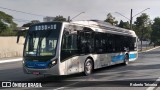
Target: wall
[(9, 47)]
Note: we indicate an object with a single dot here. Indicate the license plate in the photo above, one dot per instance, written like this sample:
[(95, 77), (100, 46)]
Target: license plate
[(35, 73)]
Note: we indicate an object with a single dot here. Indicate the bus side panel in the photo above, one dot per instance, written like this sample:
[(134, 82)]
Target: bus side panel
[(62, 68), (76, 63), (117, 58), (133, 55), (82, 59), (101, 60), (70, 66), (108, 59), (96, 59)]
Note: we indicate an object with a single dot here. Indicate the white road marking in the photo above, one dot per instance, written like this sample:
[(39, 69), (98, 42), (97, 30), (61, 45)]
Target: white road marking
[(150, 49), (11, 60), (156, 82), (66, 86)]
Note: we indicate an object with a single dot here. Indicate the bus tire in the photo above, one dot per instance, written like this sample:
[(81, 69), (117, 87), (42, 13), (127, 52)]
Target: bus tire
[(88, 67), (126, 59)]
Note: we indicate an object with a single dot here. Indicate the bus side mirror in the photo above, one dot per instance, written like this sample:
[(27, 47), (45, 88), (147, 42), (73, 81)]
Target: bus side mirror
[(21, 33), (138, 40), (18, 38)]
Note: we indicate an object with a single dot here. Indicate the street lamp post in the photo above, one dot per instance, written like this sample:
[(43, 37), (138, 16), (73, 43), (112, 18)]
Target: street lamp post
[(131, 16), (74, 16)]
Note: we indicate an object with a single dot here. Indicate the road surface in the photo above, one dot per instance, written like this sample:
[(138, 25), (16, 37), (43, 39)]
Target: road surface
[(145, 68)]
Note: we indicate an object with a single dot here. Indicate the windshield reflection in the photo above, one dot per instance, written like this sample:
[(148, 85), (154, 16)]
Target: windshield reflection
[(41, 43)]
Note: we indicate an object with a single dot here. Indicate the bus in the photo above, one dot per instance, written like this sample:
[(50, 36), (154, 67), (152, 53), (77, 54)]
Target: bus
[(63, 48)]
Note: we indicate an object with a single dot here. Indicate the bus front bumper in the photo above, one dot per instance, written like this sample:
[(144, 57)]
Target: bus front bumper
[(50, 71)]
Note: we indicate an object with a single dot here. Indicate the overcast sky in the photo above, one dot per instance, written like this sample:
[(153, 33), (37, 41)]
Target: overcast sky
[(94, 9)]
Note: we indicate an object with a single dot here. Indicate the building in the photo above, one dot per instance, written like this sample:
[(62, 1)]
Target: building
[(48, 19)]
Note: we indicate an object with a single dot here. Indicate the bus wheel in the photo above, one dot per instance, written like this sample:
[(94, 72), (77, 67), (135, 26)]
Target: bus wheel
[(126, 59), (88, 67)]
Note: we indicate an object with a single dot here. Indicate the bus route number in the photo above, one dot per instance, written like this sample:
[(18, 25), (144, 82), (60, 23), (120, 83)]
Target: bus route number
[(46, 27)]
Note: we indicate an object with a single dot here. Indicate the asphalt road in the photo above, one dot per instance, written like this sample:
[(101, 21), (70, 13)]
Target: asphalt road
[(145, 69)]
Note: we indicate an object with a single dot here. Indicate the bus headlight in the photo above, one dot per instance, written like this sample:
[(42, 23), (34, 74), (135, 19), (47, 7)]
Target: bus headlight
[(54, 62)]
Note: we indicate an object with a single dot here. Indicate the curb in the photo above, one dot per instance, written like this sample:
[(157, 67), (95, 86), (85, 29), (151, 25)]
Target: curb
[(149, 49), (11, 60)]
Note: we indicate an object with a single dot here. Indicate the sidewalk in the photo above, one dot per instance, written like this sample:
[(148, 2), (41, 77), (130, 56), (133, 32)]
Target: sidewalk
[(11, 59), (8, 58)]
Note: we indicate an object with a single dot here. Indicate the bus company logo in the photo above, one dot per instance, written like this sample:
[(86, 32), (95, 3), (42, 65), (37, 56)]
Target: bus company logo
[(20, 84), (6, 84)]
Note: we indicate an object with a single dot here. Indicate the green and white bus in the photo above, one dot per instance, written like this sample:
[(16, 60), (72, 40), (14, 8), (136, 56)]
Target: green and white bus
[(63, 48)]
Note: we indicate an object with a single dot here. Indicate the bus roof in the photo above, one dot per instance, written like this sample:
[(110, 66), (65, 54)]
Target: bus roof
[(100, 26)]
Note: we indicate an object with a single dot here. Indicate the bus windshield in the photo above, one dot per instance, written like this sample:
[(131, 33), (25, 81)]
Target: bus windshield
[(43, 41)]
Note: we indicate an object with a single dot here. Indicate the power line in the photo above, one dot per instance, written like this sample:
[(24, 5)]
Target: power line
[(21, 11), (21, 20)]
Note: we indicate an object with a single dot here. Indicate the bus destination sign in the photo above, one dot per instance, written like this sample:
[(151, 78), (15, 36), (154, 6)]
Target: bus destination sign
[(45, 27)]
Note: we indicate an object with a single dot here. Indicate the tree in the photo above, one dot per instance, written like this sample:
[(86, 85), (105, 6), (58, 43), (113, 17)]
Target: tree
[(3, 27), (30, 23), (6, 23), (124, 25), (143, 27), (59, 18), (110, 19), (155, 35)]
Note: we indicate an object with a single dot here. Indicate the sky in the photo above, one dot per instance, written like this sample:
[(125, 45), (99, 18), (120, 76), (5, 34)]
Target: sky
[(94, 9)]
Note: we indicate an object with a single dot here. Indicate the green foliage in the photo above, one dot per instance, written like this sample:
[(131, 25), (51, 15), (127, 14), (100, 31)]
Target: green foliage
[(110, 19), (6, 24), (8, 33), (143, 27), (155, 35), (59, 18), (125, 25), (3, 27)]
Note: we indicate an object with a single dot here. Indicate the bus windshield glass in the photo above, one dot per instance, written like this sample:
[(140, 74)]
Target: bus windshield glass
[(42, 39)]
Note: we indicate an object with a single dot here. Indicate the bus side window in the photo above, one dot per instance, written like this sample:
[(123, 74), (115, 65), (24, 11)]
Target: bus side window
[(86, 41), (68, 46), (109, 43)]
